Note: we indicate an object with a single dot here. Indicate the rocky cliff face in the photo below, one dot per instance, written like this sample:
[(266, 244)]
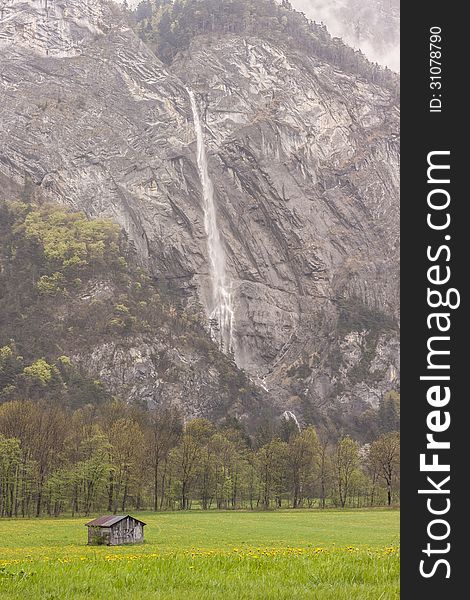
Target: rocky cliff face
[(304, 163)]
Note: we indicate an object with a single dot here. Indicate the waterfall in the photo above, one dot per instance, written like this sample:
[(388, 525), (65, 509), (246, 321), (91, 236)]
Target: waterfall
[(288, 415), (221, 314)]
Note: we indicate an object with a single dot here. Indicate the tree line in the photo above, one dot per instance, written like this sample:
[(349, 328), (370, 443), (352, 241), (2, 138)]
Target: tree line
[(116, 457)]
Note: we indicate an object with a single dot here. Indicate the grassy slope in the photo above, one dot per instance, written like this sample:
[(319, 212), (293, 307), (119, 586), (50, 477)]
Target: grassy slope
[(208, 555)]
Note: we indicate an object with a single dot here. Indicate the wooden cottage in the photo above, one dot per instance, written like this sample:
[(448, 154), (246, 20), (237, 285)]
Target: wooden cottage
[(114, 530)]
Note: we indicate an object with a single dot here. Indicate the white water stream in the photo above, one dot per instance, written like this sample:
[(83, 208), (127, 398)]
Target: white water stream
[(288, 415), (221, 314)]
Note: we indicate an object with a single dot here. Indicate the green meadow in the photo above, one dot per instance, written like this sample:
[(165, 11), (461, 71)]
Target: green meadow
[(196, 555)]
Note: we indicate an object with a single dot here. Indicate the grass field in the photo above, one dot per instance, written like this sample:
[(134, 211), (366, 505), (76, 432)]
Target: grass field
[(286, 555)]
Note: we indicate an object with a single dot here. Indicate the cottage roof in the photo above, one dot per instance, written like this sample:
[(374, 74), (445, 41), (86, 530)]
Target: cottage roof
[(109, 520)]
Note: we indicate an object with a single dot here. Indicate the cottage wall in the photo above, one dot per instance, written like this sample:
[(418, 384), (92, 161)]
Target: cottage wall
[(127, 531)]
